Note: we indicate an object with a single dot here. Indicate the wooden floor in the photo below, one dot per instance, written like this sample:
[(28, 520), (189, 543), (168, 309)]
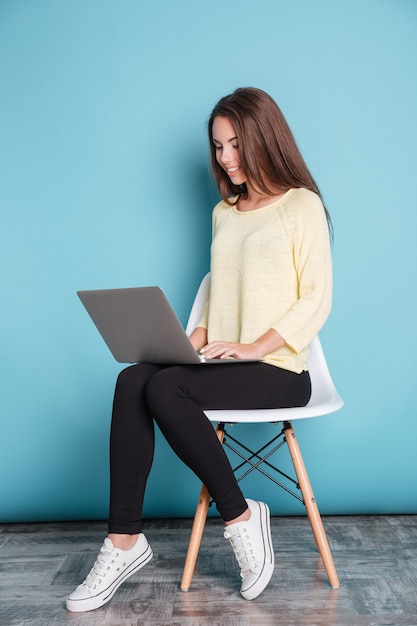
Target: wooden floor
[(376, 559)]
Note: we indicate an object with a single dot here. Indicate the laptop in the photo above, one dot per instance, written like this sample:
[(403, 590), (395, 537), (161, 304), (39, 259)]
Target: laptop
[(139, 325)]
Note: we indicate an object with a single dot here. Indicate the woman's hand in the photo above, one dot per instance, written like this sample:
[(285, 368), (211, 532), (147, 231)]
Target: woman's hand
[(229, 349), (269, 342)]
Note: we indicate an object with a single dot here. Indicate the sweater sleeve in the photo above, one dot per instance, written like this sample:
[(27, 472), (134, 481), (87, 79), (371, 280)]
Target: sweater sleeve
[(312, 260)]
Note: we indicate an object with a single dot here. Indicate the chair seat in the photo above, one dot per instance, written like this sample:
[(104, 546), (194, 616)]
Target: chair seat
[(247, 416)]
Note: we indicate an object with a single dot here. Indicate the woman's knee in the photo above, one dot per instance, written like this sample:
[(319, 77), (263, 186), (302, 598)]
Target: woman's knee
[(127, 377), (134, 378)]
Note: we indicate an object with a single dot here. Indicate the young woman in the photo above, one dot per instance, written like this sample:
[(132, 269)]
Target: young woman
[(270, 295)]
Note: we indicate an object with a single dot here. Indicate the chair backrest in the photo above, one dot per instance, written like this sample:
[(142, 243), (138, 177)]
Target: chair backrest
[(324, 397), (198, 305)]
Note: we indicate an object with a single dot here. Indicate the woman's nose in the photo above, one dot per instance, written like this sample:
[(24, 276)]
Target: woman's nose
[(226, 155)]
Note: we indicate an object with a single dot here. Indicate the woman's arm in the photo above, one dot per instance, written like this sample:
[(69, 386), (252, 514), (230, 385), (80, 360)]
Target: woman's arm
[(313, 264), (198, 338)]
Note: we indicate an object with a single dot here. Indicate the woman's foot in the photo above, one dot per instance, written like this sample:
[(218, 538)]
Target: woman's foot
[(112, 567), (252, 544)]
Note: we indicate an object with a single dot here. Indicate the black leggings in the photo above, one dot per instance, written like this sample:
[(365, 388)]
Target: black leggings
[(174, 396)]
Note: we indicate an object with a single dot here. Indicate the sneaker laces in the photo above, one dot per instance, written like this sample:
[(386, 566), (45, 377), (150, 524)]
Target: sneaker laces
[(102, 565), (243, 550)]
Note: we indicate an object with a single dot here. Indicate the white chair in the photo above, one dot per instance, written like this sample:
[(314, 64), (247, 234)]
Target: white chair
[(324, 400)]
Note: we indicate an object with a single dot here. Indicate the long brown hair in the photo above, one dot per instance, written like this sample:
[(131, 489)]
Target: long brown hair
[(268, 152)]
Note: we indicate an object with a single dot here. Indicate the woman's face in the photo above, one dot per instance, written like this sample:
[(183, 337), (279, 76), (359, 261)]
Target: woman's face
[(227, 149)]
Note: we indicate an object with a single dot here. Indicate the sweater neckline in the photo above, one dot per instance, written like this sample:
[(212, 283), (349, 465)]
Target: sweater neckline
[(265, 208)]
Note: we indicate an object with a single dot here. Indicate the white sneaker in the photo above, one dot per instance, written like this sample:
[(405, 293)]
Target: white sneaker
[(252, 544), (112, 567)]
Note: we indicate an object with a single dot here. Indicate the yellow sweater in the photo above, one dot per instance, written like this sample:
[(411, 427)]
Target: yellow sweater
[(271, 268)]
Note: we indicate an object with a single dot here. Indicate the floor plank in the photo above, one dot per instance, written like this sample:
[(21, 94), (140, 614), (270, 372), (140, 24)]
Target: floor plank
[(375, 556)]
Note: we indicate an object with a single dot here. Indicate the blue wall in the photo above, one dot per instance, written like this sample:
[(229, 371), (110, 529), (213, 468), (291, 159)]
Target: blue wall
[(104, 183)]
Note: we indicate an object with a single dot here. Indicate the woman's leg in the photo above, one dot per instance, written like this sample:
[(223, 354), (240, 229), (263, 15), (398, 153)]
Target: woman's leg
[(126, 549), (177, 395), (131, 449)]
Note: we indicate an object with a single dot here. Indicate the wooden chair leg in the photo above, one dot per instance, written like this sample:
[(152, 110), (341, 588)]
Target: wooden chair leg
[(311, 506), (195, 539), (197, 529)]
